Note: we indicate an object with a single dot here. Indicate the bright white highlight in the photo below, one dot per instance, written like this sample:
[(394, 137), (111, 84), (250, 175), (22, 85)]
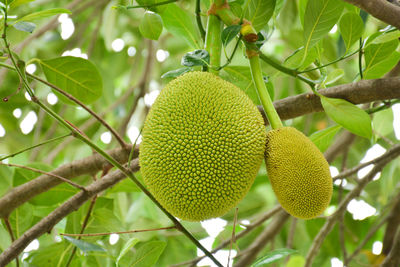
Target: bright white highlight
[(334, 171), (396, 120), (150, 98), (113, 239), (67, 26), (161, 55), (31, 68), (118, 44), (335, 262), (133, 133), (372, 153), (17, 113), (28, 122), (131, 51), (377, 247), (360, 209), (76, 52), (27, 96), (34, 245), (343, 181), (2, 131), (221, 256), (245, 222), (52, 99), (330, 210), (333, 30), (214, 226), (106, 137), (58, 239)]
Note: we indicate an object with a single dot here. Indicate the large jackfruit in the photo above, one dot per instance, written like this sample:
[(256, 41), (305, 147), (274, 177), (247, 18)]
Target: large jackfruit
[(298, 172), (203, 143)]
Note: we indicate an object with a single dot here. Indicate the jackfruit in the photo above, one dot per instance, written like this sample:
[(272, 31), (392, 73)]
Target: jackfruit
[(203, 142), (298, 172)]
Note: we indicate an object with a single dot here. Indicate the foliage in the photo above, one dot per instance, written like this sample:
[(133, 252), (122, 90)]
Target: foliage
[(120, 55)]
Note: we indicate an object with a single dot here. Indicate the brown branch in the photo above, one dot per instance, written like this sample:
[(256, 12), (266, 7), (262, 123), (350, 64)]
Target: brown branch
[(45, 173), (355, 169), (380, 9), (364, 91), (20, 194), (247, 256), (369, 235), (341, 143), (393, 259), (392, 225), (331, 221), (74, 203), (243, 233)]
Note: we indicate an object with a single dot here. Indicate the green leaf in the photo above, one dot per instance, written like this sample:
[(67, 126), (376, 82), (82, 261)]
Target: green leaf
[(323, 139), (175, 73), (25, 26), (21, 219), (83, 245), (348, 115), (319, 18), (333, 76), (198, 57), (180, 24), (148, 254), (296, 261), (241, 77), (44, 14), (17, 3), (76, 76), (386, 37), (127, 246), (273, 256), (300, 59), (375, 53), (383, 122), (384, 66), (259, 12), (351, 28), (151, 25), (229, 33)]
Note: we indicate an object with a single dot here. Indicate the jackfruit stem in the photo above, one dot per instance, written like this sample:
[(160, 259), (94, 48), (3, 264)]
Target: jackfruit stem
[(262, 91), (213, 42)]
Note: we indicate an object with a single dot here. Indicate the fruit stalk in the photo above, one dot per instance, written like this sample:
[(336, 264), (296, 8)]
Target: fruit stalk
[(262, 91), (213, 42)]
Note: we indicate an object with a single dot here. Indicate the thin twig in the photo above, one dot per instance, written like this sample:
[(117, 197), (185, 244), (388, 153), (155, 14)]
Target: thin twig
[(10, 231), (122, 232), (233, 239), (46, 173), (249, 229), (149, 6), (85, 222), (34, 146)]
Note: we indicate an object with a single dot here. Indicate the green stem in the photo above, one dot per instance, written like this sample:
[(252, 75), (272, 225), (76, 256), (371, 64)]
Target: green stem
[(214, 42), (262, 91), (149, 6), (360, 59), (198, 21)]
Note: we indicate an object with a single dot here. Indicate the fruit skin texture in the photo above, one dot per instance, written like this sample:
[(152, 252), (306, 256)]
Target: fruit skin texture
[(203, 143), (298, 172)]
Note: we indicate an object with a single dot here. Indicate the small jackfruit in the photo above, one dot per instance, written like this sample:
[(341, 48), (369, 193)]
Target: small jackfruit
[(298, 172), (203, 142)]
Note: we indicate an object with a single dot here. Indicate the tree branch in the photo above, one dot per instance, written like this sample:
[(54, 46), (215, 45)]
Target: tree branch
[(20, 194), (364, 91), (74, 203), (380, 9), (247, 256), (331, 221)]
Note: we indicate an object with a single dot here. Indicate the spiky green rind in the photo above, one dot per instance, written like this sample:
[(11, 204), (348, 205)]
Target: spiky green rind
[(298, 172), (203, 143)]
